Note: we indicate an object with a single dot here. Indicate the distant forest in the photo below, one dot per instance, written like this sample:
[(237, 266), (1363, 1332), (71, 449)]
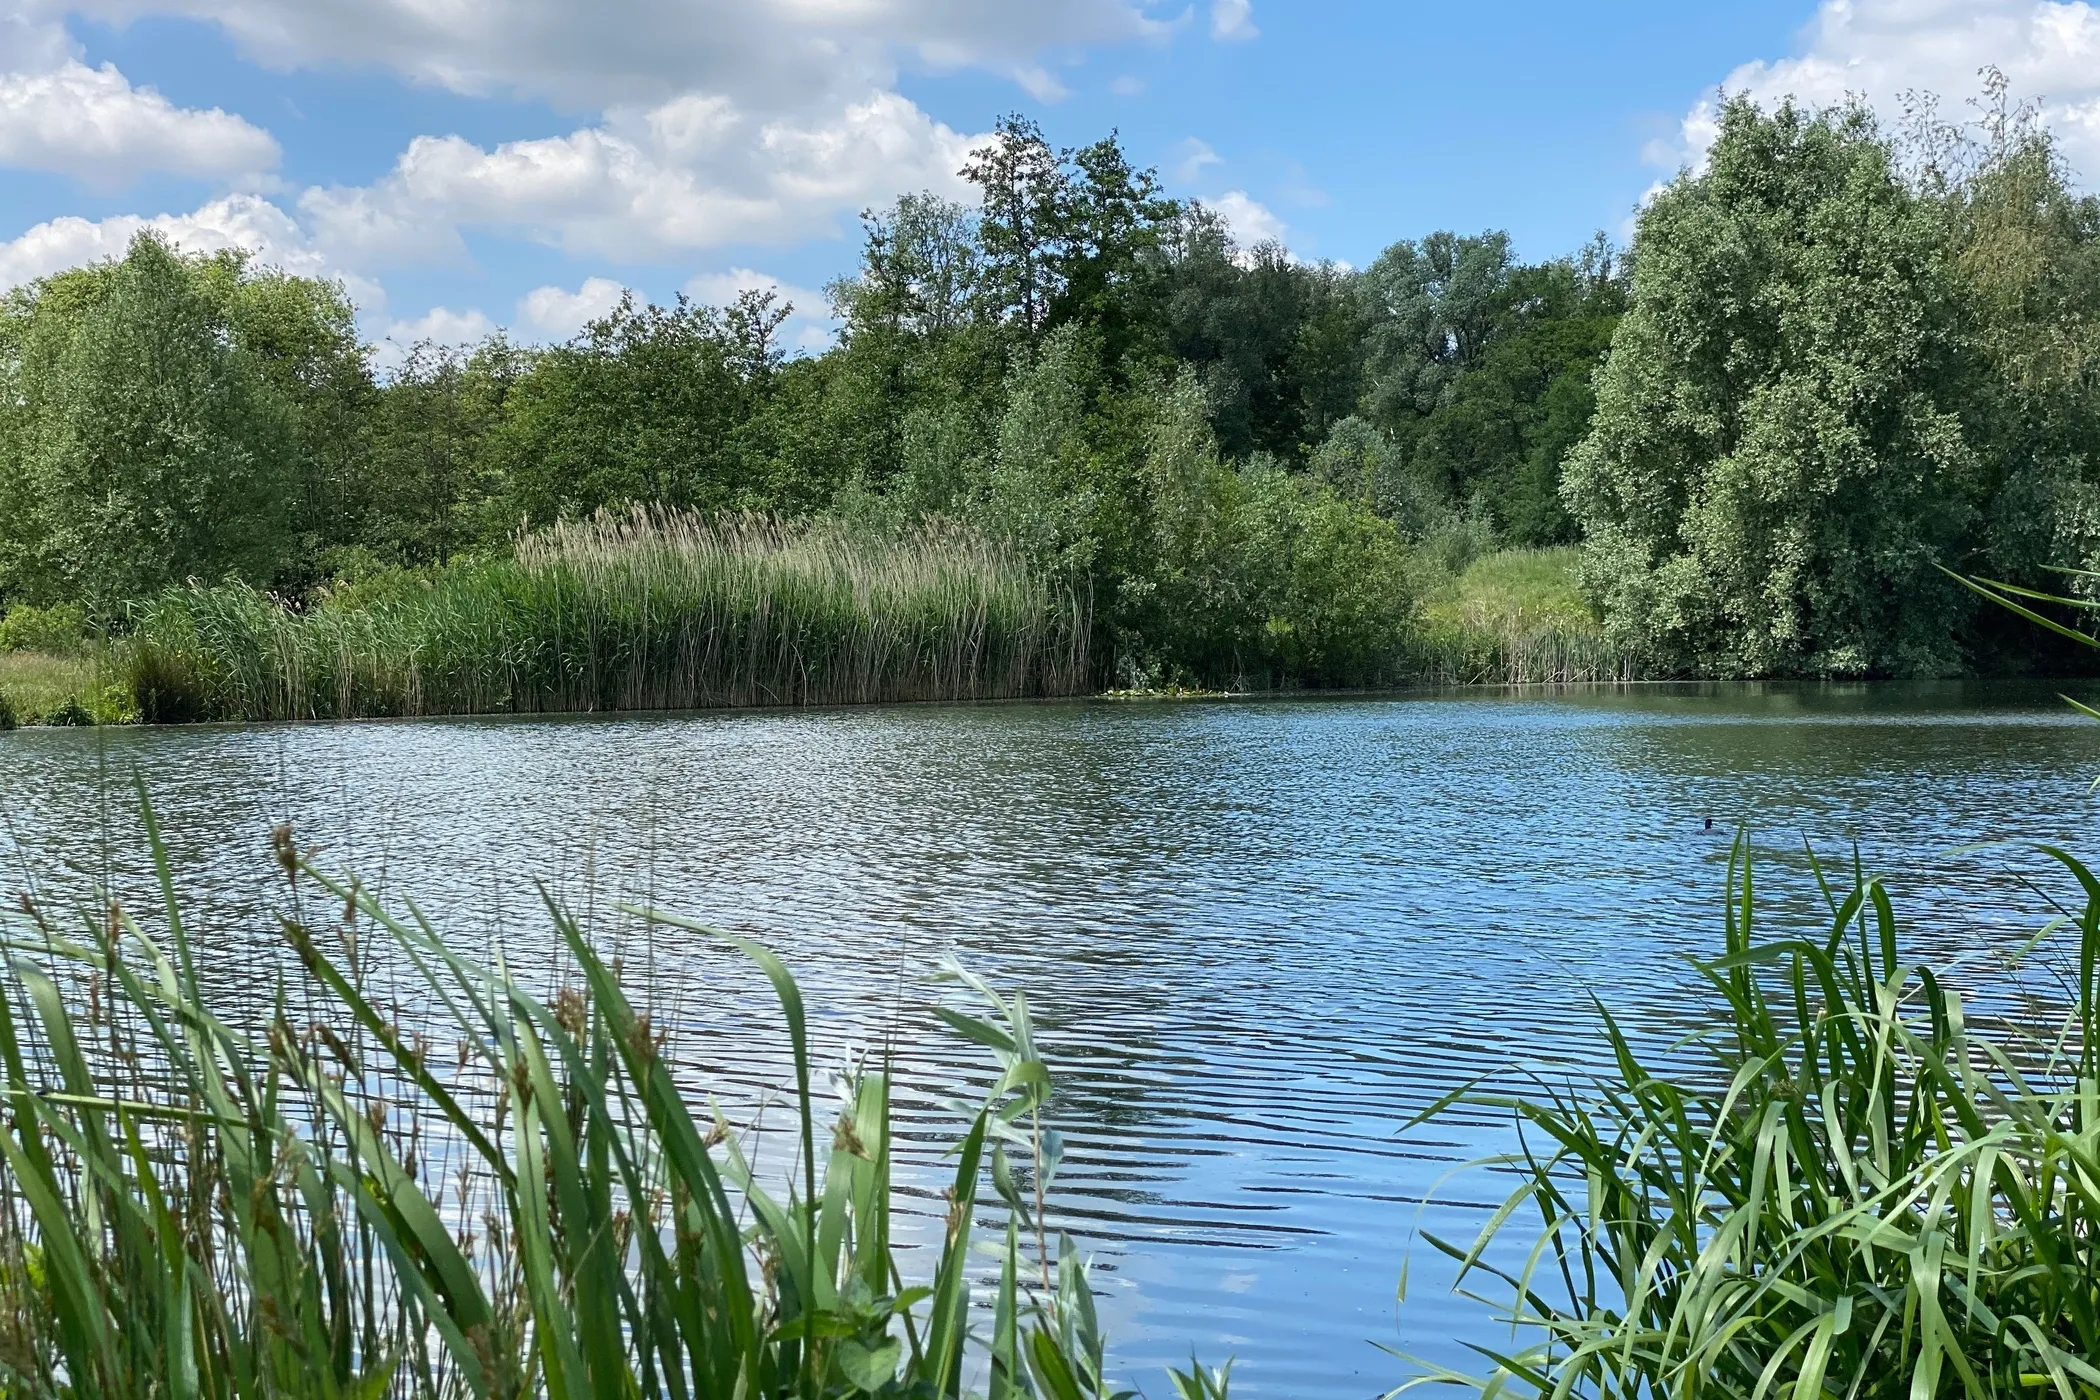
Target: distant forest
[(1837, 361)]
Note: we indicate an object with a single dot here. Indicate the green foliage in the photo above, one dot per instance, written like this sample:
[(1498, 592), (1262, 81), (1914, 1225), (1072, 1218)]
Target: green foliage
[(649, 611), (1862, 1197), (264, 1213), (59, 630), (1838, 361), (80, 688), (164, 417), (1516, 617), (1838, 375)]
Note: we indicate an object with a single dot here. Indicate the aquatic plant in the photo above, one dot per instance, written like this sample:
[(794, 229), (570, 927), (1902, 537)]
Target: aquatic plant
[(329, 1206), (1862, 1198), (649, 610)]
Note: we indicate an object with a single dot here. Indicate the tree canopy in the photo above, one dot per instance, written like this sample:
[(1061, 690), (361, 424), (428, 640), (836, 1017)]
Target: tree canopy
[(1834, 363)]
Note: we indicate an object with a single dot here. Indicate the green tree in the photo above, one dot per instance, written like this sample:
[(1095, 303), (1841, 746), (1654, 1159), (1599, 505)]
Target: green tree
[(149, 433), (431, 487), (650, 404), (1774, 469)]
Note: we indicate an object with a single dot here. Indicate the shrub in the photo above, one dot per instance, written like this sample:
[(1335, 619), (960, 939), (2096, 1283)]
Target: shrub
[(60, 629)]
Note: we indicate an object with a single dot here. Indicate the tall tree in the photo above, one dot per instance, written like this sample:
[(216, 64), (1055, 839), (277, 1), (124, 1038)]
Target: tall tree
[(1774, 470), (145, 435)]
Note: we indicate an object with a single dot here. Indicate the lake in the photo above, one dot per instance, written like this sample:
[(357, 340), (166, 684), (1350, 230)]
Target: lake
[(1262, 934)]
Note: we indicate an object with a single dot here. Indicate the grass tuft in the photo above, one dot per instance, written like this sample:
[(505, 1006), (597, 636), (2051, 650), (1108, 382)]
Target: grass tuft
[(1864, 1198), (330, 1207), (1517, 617)]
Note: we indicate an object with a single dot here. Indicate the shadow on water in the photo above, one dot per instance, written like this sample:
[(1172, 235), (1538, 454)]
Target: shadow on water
[(1263, 934)]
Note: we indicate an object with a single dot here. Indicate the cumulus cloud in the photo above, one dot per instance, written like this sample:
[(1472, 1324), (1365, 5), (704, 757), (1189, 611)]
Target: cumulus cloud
[(1250, 221), (58, 114), (807, 330), (1232, 19), (711, 123), (244, 221), (556, 313), (777, 56), (1880, 49), (441, 325), (696, 172)]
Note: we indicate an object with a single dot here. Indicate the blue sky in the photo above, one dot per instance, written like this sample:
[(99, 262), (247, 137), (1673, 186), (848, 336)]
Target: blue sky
[(515, 162)]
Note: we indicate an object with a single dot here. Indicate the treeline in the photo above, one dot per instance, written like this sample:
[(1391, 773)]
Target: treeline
[(1836, 360)]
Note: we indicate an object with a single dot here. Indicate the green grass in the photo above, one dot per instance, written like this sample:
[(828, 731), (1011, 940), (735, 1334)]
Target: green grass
[(1516, 617), (42, 688), (193, 1209), (642, 612), (1864, 1198)]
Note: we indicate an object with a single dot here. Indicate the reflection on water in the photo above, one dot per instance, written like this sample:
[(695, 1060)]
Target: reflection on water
[(1263, 934)]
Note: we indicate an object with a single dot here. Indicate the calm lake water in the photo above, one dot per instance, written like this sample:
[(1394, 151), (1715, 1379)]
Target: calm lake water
[(1263, 934)]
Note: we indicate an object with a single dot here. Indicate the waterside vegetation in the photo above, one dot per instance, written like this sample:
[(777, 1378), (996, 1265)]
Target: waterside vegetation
[(648, 611), (1838, 358), (1862, 1196), (336, 1205)]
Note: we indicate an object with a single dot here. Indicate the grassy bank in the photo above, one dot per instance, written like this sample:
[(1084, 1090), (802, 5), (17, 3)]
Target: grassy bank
[(330, 1208), (641, 612), (1517, 617), (84, 687)]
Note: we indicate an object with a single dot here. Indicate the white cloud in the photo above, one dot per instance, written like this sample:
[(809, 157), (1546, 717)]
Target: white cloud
[(234, 221), (808, 329), (777, 56), (556, 313), (1127, 85), (1251, 222), (441, 325), (1232, 19), (1196, 157), (58, 114), (696, 172), (1880, 49)]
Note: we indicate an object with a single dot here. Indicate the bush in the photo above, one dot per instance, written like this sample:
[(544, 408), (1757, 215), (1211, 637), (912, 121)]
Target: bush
[(60, 629)]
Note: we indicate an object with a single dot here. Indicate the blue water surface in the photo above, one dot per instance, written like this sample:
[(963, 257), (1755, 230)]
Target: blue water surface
[(1261, 935)]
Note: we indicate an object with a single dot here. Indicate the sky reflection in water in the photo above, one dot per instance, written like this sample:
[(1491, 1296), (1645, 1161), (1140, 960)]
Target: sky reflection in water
[(1264, 934)]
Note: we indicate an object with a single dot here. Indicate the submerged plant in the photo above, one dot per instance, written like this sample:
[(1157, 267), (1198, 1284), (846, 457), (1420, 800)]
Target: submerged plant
[(1865, 1198), (331, 1208)]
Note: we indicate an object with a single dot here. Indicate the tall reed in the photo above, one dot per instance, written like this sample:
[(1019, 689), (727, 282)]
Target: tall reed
[(329, 1207), (1548, 650), (652, 610), (1864, 1198)]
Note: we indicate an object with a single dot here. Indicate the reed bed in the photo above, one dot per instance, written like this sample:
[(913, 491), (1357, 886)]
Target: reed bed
[(1514, 651), (647, 611), (335, 1207), (1864, 1199)]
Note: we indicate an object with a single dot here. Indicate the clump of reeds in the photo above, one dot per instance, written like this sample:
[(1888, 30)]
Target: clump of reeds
[(651, 610), (1514, 651), (1865, 1198), (334, 1207)]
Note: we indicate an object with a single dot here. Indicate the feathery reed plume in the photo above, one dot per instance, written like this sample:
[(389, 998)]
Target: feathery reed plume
[(651, 610)]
